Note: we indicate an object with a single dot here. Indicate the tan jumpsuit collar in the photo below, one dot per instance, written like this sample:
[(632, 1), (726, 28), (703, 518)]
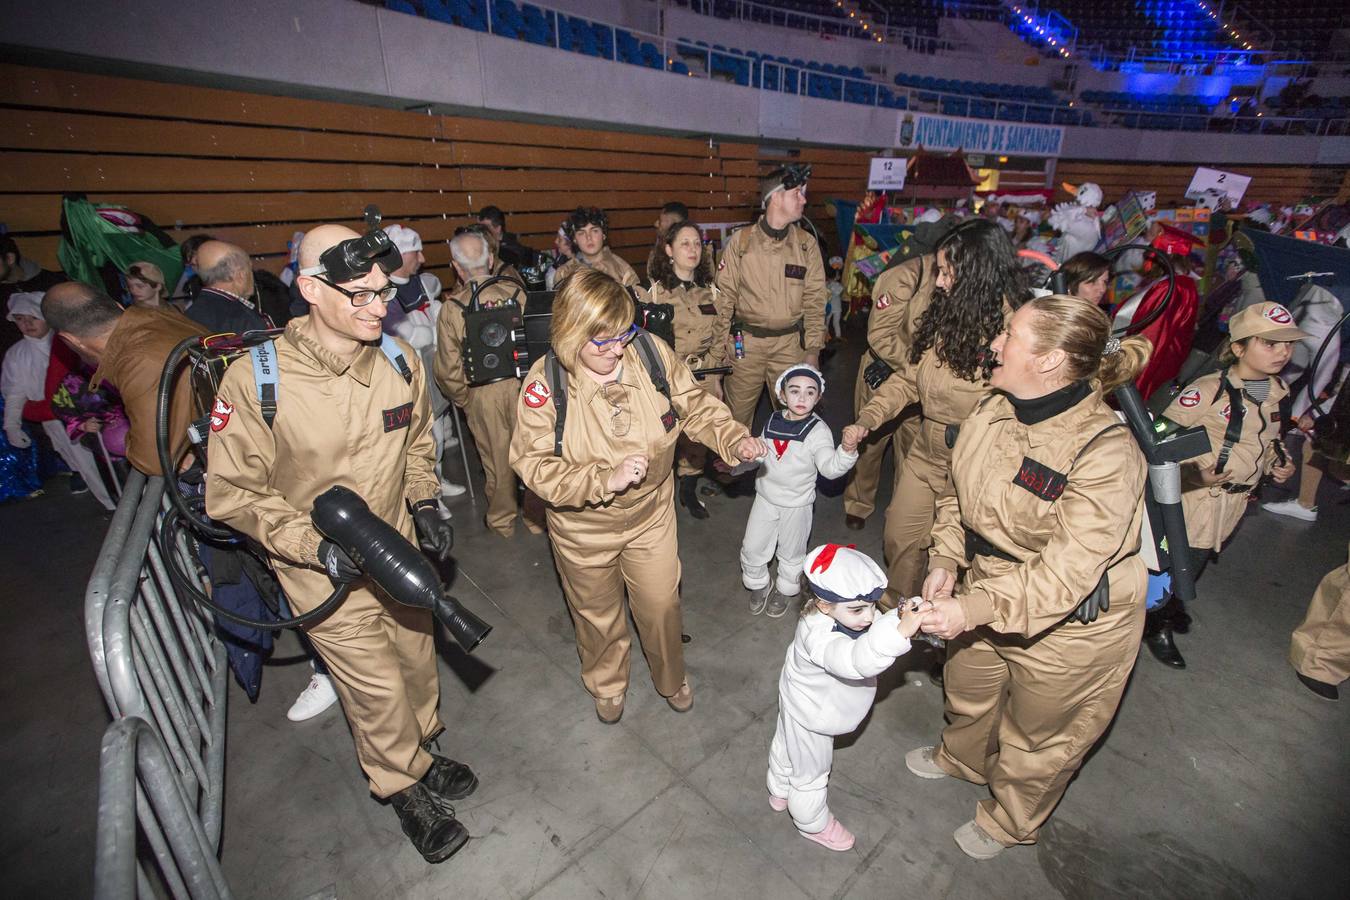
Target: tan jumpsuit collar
[(299, 334)]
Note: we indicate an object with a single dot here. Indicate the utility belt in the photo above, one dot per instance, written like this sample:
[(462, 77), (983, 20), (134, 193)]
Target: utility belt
[(1238, 488), (759, 331), (1098, 601)]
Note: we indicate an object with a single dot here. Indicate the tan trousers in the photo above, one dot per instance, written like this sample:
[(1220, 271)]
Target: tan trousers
[(1023, 713), (1320, 648), (491, 413), (910, 514), (765, 359), (860, 496), (382, 657), (599, 553)]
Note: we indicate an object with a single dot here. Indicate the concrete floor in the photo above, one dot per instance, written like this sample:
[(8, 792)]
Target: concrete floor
[(1226, 780)]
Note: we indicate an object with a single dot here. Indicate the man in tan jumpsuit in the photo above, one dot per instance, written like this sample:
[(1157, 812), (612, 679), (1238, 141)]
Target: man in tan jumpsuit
[(772, 278), (588, 230), (1320, 649), (888, 338), (345, 415), (490, 408)]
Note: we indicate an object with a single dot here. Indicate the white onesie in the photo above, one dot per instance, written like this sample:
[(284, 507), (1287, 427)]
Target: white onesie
[(785, 492)]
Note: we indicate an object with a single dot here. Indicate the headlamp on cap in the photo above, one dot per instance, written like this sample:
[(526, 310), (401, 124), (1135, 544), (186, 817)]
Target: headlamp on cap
[(354, 258)]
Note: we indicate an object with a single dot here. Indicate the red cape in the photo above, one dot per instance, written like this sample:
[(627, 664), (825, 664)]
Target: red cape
[(1171, 334)]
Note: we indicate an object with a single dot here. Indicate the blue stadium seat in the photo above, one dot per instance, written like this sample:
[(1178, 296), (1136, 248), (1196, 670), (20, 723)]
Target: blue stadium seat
[(402, 6)]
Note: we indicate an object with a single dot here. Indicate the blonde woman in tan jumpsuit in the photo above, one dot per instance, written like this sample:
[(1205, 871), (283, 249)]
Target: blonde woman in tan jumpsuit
[(610, 494), (976, 285), (1045, 509), (889, 332), (682, 276)]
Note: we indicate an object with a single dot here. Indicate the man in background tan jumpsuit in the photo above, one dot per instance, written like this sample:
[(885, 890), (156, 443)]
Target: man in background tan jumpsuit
[(888, 337), (588, 230), (346, 416), (1320, 649), (490, 408), (772, 278)]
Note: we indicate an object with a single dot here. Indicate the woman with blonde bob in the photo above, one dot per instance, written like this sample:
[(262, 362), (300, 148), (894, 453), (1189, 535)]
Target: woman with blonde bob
[(608, 483), (1043, 523)]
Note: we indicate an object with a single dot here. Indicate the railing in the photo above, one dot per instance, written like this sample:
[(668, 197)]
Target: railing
[(1193, 122), (833, 26), (158, 662)]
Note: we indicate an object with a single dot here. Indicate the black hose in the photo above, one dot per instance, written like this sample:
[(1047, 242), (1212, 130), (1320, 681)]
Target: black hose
[(167, 464), (1136, 327), (168, 533)]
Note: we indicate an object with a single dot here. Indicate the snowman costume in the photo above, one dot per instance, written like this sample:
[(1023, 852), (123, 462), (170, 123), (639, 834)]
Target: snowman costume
[(828, 683), (785, 491)]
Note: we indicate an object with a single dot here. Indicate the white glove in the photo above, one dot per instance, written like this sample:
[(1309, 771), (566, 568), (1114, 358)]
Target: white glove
[(18, 438)]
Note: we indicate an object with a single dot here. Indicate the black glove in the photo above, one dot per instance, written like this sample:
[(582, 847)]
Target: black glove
[(876, 374), (338, 565), (1097, 602), (434, 535)]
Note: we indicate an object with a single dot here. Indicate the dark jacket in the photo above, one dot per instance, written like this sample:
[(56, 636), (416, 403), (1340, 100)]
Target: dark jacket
[(219, 313)]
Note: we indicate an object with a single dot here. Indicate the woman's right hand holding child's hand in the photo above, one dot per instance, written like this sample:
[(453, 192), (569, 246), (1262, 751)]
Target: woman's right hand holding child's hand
[(853, 436), (939, 583)]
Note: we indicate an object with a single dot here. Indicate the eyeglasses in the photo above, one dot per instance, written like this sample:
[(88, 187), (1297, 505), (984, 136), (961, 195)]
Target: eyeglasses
[(363, 298), (620, 415), (622, 340)]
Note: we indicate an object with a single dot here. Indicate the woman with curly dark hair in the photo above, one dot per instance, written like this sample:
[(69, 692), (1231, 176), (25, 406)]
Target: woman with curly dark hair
[(682, 276), (979, 286)]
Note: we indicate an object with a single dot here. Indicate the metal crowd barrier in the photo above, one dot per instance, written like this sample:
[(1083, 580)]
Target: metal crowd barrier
[(163, 674)]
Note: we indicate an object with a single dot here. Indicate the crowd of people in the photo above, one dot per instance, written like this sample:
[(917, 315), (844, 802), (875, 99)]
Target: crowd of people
[(1013, 533)]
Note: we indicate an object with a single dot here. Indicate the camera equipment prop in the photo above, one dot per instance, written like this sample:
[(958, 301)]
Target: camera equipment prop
[(392, 562)]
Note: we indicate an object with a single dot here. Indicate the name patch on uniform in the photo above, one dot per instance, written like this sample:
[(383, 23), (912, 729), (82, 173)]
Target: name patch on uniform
[(708, 309), (1040, 479), (398, 417), (792, 271), (668, 420)]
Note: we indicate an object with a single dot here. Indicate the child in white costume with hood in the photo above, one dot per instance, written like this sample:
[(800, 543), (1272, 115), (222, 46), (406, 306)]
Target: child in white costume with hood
[(829, 682), (800, 447)]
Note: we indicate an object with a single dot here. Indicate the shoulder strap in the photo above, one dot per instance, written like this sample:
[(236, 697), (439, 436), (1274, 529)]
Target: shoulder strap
[(389, 347), (1237, 410), (265, 378), (1083, 449), (651, 361), (557, 383)]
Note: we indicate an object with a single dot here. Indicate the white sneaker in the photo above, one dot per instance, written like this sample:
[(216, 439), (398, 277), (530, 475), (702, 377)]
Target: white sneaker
[(1293, 509), (317, 696), (450, 489), (443, 511)]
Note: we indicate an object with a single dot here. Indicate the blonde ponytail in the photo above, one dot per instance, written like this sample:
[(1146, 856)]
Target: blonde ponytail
[(1125, 363)]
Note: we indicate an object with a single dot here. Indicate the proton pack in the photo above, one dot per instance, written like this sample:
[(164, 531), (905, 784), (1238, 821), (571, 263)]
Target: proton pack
[(494, 337)]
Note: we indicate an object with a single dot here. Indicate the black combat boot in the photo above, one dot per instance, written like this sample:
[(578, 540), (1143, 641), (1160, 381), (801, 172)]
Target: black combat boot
[(452, 780), (1158, 633), (689, 497), (429, 822)]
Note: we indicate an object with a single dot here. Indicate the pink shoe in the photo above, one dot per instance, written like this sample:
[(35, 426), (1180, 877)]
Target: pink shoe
[(834, 837), (777, 804)]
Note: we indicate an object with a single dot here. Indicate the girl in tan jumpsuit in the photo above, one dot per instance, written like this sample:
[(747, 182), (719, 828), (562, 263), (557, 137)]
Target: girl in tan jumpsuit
[(977, 286), (1213, 495), (682, 275), (1045, 506), (610, 493)]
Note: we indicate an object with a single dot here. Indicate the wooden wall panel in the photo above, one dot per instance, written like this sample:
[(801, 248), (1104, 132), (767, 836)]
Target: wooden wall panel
[(254, 169)]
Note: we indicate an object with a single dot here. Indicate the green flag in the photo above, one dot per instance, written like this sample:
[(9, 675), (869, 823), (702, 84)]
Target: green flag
[(95, 236)]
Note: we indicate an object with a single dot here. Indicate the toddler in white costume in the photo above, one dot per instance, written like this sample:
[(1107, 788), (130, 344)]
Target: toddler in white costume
[(829, 681), (800, 446)]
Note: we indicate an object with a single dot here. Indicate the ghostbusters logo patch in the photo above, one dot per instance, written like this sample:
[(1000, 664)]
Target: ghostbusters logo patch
[(220, 414), (1190, 399), (883, 301), (722, 264), (536, 394), (1279, 315)]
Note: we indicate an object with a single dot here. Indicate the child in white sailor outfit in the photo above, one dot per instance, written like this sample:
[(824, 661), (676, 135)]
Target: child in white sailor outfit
[(800, 446), (829, 682)]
